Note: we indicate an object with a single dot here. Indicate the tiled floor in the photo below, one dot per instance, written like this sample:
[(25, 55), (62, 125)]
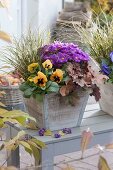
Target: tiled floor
[(90, 161)]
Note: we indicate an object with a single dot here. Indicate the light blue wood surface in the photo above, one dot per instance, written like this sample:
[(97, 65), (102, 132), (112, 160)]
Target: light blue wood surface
[(100, 124)]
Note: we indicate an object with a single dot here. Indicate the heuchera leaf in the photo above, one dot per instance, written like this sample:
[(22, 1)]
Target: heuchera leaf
[(103, 165), (96, 92), (86, 138), (63, 90)]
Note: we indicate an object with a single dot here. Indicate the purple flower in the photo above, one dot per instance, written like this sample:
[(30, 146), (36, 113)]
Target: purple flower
[(57, 135), (61, 53), (105, 69), (111, 56), (41, 132), (67, 131)]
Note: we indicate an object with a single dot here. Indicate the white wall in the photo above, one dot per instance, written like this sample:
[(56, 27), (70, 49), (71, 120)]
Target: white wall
[(40, 13), (11, 26), (48, 12)]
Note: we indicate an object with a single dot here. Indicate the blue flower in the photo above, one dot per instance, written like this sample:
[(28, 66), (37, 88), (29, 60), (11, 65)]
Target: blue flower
[(111, 56), (105, 69)]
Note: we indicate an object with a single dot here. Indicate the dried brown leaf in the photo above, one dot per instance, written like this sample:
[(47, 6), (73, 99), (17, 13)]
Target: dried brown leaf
[(86, 138), (63, 90)]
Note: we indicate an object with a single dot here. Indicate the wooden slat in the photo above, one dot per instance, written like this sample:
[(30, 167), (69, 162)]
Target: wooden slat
[(76, 132), (93, 113), (96, 120), (92, 107)]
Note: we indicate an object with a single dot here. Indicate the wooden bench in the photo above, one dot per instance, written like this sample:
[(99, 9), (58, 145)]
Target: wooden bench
[(99, 122)]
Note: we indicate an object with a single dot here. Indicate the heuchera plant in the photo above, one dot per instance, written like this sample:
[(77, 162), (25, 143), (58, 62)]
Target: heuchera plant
[(63, 68)]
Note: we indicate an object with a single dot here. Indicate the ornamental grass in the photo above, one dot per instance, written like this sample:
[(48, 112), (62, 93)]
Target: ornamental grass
[(24, 51), (99, 41)]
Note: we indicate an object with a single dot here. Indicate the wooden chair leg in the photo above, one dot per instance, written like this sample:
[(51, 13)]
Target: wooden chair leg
[(47, 159), (13, 157)]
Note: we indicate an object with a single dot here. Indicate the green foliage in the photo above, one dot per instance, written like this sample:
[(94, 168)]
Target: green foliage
[(14, 116), (31, 145), (37, 92), (54, 87)]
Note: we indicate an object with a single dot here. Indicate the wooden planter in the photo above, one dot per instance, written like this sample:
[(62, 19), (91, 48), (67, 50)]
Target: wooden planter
[(12, 98), (106, 101), (54, 113)]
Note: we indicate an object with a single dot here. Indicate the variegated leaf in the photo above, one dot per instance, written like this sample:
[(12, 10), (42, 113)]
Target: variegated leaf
[(31, 124), (39, 143), (4, 36), (103, 165), (14, 113), (25, 145), (5, 67), (20, 135), (86, 138)]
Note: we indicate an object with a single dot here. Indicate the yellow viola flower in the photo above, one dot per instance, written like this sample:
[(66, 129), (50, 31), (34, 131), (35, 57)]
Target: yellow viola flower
[(57, 76), (30, 79), (40, 79), (32, 67), (47, 64)]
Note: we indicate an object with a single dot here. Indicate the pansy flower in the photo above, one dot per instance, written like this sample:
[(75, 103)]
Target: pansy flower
[(40, 79), (57, 76), (32, 67), (105, 69), (47, 64), (30, 79)]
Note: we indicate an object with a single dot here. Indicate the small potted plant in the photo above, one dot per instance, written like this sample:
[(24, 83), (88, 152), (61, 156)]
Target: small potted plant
[(56, 88), (99, 40), (11, 95), (57, 81)]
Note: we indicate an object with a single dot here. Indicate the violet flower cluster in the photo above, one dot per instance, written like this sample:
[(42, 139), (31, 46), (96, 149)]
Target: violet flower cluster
[(105, 67), (61, 53)]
